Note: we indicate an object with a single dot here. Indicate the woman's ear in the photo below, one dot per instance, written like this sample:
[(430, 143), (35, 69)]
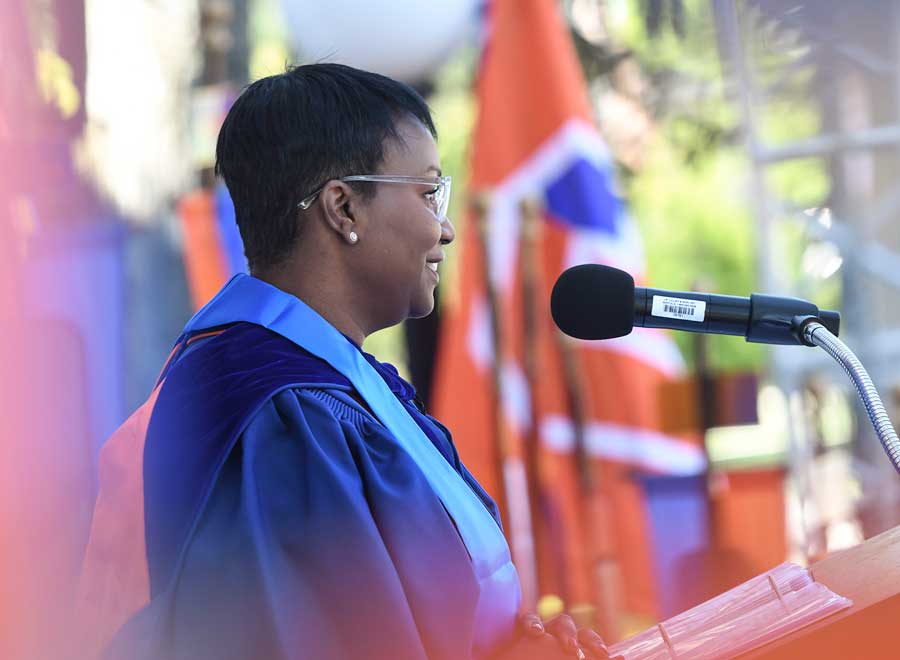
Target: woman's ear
[(337, 200)]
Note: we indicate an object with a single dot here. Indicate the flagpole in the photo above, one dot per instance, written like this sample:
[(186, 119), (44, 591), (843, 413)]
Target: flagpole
[(530, 212), (510, 473), (594, 506)]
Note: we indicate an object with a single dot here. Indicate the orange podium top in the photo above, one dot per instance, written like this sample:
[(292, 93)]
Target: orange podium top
[(869, 575)]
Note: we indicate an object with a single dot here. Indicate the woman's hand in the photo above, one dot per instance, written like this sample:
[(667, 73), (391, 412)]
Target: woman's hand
[(531, 646), (581, 644)]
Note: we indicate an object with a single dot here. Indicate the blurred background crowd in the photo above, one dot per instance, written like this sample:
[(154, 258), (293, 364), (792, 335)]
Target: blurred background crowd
[(727, 146)]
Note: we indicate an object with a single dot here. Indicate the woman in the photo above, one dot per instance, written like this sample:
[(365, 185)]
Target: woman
[(286, 497)]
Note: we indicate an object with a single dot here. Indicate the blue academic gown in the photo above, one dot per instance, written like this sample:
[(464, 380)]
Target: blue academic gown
[(283, 519)]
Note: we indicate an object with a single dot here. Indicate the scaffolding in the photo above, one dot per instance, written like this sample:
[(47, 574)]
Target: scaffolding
[(861, 151)]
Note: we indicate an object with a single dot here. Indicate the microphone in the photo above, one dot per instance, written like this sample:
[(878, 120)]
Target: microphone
[(600, 302)]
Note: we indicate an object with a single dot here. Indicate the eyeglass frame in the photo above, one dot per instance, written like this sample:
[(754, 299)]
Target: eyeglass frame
[(443, 184)]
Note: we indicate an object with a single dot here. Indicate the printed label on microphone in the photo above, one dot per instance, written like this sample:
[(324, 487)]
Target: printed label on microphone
[(684, 309)]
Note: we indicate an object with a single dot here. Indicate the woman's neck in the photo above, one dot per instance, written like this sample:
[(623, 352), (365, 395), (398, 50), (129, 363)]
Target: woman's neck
[(325, 297)]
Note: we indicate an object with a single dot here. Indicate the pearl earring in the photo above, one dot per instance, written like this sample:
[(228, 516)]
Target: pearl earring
[(352, 237)]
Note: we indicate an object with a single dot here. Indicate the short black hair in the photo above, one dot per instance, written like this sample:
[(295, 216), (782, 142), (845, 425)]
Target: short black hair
[(288, 134)]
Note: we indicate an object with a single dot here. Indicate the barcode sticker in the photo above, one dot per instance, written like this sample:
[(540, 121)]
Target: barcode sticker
[(684, 309)]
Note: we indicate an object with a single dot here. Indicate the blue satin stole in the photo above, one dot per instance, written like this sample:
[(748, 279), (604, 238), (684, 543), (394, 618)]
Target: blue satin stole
[(247, 299)]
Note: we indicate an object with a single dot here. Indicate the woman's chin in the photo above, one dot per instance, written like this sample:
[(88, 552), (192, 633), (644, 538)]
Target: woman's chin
[(422, 308)]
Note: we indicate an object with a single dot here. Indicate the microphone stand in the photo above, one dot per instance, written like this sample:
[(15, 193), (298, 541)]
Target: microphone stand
[(812, 333)]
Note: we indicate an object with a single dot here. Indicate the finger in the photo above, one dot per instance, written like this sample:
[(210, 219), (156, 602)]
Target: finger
[(563, 628), (593, 642), (531, 624)]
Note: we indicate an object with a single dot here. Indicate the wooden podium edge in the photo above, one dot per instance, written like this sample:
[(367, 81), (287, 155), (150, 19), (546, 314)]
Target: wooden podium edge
[(869, 575)]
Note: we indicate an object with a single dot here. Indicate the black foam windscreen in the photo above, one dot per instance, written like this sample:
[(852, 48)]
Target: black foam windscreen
[(593, 302)]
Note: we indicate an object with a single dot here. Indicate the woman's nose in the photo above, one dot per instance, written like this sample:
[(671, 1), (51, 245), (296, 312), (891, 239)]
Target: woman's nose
[(448, 233)]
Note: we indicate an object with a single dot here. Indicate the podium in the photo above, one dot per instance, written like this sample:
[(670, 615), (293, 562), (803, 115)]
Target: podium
[(869, 575)]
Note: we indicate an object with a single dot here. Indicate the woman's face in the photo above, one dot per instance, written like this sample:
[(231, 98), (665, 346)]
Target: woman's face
[(401, 244)]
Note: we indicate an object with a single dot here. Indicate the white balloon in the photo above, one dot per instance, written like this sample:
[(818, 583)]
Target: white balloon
[(403, 39)]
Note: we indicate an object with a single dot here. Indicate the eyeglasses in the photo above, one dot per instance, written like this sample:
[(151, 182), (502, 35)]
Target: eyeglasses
[(439, 198)]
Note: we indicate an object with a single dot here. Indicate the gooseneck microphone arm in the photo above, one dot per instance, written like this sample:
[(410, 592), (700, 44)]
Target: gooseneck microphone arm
[(814, 333)]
